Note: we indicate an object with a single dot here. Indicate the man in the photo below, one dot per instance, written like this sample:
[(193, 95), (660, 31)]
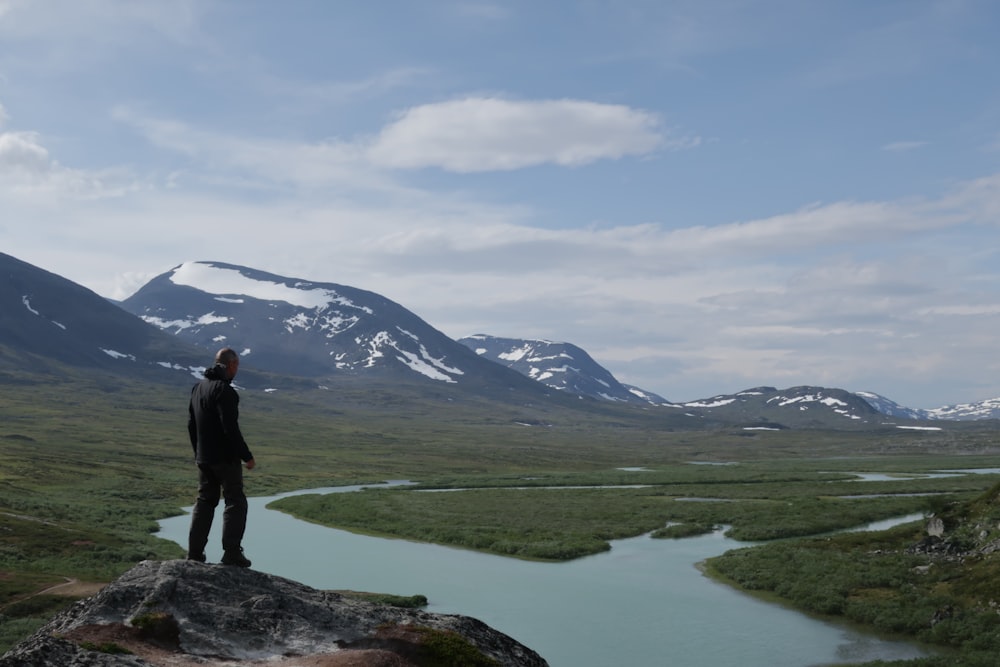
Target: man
[(213, 424)]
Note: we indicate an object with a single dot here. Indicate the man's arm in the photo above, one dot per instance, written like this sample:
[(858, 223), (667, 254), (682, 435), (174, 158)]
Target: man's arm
[(192, 426), (229, 414)]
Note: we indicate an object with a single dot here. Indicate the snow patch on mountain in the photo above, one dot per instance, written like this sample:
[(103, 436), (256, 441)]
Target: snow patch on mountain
[(560, 366), (302, 327), (780, 408), (988, 409), (195, 371), (27, 304), (332, 324), (717, 402), (222, 280), (889, 407), (118, 355), (644, 395), (838, 406), (422, 361), (179, 325)]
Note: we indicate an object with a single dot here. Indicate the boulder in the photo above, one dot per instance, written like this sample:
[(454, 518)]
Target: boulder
[(181, 613), (935, 527)]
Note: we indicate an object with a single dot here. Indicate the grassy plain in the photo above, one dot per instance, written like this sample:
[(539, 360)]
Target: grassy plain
[(898, 581), (553, 518), (89, 463)]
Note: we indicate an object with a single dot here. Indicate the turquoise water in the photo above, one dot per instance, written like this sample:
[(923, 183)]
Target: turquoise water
[(642, 603)]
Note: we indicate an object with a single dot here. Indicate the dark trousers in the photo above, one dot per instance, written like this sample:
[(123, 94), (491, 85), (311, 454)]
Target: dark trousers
[(225, 479)]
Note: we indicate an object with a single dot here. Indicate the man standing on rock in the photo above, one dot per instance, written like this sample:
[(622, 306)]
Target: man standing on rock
[(213, 424)]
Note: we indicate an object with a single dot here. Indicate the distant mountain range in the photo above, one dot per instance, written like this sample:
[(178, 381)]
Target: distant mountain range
[(570, 369), (562, 366), (300, 333), (988, 409)]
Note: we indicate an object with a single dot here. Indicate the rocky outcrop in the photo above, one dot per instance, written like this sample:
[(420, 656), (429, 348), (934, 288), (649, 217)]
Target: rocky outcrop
[(182, 613)]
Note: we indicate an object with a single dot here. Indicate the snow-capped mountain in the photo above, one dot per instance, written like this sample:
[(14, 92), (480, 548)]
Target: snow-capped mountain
[(988, 409), (571, 370), (795, 406), (562, 366), (891, 408), (294, 331), (298, 327), (45, 318)]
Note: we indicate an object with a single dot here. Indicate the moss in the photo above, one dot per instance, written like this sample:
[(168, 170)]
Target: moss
[(105, 647), (440, 648), (159, 628), (431, 647)]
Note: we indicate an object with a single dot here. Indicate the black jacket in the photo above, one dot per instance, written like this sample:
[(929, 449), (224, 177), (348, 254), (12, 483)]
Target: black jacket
[(213, 420)]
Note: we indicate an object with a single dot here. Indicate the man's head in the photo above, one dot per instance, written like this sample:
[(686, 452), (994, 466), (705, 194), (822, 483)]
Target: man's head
[(228, 359)]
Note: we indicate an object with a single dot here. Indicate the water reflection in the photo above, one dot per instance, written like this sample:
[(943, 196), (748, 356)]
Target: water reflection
[(899, 476)]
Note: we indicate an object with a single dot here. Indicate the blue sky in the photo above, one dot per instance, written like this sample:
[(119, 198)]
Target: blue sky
[(707, 196)]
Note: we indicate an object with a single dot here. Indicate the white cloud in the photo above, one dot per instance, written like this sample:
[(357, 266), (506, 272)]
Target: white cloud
[(488, 134), (766, 301), (275, 146), (21, 152), (260, 163), (28, 170), (475, 134)]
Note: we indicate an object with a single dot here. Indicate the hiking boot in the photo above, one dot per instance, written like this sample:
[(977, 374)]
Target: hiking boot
[(197, 557), (235, 558)]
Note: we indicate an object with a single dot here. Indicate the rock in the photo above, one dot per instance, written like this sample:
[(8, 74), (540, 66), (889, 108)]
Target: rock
[(182, 613)]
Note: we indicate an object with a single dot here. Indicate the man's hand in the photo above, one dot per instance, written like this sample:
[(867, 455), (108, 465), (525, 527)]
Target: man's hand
[(250, 464)]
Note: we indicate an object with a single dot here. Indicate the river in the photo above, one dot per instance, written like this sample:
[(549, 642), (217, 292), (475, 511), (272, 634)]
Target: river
[(642, 603)]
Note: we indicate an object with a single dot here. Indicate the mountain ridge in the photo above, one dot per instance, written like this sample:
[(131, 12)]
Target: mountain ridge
[(299, 334), (46, 318), (568, 368), (305, 328), (560, 365)]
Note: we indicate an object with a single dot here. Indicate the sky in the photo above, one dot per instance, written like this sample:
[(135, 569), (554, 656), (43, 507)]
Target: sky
[(707, 195)]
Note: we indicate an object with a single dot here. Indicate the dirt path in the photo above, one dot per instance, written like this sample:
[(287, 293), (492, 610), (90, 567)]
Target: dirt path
[(69, 588)]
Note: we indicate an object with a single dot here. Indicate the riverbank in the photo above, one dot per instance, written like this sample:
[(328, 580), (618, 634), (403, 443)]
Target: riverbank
[(643, 598)]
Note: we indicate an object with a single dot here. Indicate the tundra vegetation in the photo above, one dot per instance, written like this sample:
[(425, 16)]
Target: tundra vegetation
[(89, 463)]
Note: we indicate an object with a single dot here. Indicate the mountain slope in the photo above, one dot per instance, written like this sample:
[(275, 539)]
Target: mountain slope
[(45, 318), (562, 366), (296, 334), (987, 409), (802, 407), (571, 370), (297, 327), (890, 408)]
